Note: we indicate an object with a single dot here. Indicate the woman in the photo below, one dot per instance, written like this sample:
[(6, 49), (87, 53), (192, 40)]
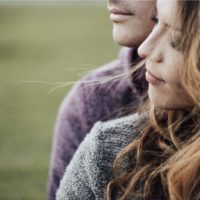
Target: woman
[(156, 153)]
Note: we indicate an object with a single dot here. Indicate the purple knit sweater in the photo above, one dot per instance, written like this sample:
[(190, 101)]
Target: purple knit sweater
[(89, 102)]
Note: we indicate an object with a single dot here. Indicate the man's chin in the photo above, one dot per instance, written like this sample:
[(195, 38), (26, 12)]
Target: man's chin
[(124, 42), (123, 38)]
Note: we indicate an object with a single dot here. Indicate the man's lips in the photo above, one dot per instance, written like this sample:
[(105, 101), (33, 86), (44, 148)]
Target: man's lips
[(115, 10), (119, 14)]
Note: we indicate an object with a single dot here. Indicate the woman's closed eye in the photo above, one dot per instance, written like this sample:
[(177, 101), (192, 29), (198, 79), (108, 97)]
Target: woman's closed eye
[(175, 41)]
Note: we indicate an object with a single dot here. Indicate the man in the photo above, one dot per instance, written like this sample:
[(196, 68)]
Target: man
[(89, 102)]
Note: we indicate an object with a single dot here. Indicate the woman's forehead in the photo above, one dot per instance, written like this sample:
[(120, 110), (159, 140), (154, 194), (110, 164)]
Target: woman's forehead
[(167, 12)]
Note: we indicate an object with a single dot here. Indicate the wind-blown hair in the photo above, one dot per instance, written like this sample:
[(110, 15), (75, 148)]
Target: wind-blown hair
[(164, 160)]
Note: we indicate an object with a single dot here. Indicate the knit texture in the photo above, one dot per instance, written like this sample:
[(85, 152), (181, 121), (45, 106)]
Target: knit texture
[(94, 98), (90, 170)]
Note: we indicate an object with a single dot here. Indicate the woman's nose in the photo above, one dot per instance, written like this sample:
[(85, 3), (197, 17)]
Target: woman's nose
[(150, 49), (147, 47), (143, 50)]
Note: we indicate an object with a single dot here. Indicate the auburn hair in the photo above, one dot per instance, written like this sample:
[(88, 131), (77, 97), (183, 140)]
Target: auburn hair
[(164, 160)]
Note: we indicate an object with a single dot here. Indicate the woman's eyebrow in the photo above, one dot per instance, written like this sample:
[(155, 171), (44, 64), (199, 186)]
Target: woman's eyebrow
[(172, 27), (167, 24)]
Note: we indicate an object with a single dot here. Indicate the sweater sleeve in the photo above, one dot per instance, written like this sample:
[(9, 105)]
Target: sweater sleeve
[(79, 179)]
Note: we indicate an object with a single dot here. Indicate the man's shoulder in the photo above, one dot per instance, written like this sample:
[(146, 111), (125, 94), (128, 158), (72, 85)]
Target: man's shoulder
[(99, 78), (104, 72), (101, 84), (114, 67), (107, 77), (102, 93)]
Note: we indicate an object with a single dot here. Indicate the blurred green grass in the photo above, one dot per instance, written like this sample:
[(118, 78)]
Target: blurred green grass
[(50, 44)]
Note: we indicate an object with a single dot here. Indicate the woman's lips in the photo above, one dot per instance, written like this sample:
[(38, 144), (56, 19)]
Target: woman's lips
[(153, 79), (119, 15)]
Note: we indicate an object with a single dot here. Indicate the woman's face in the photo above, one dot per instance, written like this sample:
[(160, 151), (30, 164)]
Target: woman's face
[(163, 59)]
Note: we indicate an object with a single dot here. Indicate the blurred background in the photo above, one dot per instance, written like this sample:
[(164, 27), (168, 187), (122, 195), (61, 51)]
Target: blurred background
[(42, 46)]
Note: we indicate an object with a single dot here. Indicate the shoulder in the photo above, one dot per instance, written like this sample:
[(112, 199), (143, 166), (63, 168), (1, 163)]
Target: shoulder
[(113, 135), (117, 133), (104, 142), (94, 81), (105, 88), (100, 76), (90, 170), (116, 66)]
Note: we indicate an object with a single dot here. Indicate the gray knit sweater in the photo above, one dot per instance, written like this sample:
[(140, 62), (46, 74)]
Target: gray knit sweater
[(91, 167)]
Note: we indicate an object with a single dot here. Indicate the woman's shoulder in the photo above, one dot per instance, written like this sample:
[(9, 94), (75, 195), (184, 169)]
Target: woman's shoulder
[(91, 167), (118, 132), (107, 139)]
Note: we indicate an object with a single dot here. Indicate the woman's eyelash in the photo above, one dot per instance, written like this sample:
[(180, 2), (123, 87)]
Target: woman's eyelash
[(175, 43), (154, 18)]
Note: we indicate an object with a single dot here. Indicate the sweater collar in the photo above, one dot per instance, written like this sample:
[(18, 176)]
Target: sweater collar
[(129, 57)]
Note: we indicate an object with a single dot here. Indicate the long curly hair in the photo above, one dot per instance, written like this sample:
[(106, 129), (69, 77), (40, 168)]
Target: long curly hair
[(164, 160)]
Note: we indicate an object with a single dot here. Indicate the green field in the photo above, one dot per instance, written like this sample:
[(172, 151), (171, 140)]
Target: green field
[(41, 47)]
